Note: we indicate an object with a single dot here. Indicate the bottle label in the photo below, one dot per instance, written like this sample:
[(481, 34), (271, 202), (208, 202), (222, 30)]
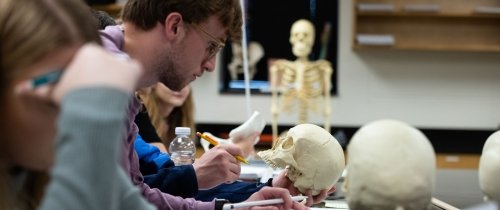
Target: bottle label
[(182, 158)]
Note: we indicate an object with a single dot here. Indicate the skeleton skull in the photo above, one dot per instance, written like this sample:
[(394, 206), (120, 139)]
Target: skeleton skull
[(302, 38), (489, 167), (391, 165), (314, 158)]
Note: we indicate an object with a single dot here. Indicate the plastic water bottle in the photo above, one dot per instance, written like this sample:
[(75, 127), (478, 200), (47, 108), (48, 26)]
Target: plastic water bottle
[(182, 148)]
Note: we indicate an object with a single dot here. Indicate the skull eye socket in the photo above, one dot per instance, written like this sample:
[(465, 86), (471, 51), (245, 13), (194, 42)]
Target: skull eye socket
[(288, 142)]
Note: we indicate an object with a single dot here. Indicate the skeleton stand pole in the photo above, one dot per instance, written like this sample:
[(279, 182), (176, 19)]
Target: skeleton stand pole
[(245, 59)]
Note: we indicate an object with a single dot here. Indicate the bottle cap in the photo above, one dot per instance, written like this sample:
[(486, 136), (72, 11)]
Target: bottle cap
[(182, 131)]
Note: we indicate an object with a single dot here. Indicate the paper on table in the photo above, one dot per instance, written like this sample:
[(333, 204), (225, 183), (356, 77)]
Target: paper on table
[(260, 202), (258, 170), (336, 204)]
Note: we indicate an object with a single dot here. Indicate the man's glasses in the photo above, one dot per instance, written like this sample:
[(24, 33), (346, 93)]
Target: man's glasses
[(214, 46)]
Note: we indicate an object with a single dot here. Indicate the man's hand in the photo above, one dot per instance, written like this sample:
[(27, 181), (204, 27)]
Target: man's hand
[(246, 144), (218, 165), (283, 181), (319, 197), (272, 193)]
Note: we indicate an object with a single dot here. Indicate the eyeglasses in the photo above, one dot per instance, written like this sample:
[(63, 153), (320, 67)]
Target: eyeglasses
[(45, 79), (214, 46)]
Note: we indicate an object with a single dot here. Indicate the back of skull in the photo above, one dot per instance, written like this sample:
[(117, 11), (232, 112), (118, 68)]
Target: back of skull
[(391, 165), (489, 167), (314, 157)]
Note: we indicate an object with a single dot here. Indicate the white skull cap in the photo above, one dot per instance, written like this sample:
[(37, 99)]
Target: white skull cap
[(489, 167), (314, 157), (391, 165)]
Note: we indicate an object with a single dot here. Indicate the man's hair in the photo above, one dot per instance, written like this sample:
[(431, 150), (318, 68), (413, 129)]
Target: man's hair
[(103, 19), (145, 14)]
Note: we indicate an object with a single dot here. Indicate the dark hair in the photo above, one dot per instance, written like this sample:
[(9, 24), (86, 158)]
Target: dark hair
[(103, 19), (145, 14)]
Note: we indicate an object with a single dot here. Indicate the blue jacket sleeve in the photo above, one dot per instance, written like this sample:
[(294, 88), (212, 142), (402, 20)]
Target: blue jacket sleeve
[(175, 180), (150, 157), (182, 181), (160, 172), (234, 192)]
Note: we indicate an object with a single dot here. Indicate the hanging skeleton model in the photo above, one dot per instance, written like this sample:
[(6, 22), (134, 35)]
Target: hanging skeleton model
[(301, 84)]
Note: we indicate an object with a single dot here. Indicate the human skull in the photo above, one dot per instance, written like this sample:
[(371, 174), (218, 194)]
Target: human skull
[(391, 165), (302, 38), (314, 158), (489, 167)]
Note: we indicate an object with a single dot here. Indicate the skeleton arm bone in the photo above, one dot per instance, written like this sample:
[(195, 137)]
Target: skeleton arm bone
[(277, 69), (274, 100), (327, 87)]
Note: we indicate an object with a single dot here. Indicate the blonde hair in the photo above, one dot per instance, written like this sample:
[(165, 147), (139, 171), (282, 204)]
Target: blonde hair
[(29, 31), (182, 116)]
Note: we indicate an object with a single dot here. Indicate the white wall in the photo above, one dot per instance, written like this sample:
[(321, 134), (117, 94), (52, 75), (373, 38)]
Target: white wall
[(456, 90)]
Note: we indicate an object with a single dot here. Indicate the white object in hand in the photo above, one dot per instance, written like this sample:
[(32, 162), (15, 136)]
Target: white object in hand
[(260, 203), (206, 144), (254, 124)]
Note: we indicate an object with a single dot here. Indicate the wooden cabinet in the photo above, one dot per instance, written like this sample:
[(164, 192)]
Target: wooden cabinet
[(457, 161), (444, 25)]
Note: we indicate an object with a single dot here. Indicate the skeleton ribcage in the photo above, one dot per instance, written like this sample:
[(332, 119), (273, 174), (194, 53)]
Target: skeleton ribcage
[(302, 90)]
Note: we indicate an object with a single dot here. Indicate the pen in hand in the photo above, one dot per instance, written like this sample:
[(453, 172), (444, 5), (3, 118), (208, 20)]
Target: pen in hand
[(260, 203), (215, 143)]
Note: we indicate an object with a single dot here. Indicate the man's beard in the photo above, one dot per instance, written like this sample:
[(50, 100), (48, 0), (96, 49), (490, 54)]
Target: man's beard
[(167, 73)]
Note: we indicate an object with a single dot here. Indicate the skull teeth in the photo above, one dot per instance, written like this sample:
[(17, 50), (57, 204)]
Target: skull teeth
[(270, 163)]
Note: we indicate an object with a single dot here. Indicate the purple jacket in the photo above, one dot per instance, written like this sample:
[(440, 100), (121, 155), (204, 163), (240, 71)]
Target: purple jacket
[(113, 40)]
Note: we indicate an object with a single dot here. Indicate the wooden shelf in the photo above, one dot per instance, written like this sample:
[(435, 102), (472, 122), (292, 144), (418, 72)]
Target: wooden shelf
[(429, 14), (457, 161), (454, 26)]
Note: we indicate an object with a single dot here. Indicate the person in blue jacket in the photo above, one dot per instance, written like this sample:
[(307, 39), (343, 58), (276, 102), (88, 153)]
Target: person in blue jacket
[(160, 172)]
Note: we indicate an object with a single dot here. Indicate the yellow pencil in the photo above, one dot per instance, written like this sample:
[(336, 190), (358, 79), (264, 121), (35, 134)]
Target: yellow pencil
[(215, 143)]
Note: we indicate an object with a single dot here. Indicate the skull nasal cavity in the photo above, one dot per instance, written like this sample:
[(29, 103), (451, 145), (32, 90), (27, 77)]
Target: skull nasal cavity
[(288, 143)]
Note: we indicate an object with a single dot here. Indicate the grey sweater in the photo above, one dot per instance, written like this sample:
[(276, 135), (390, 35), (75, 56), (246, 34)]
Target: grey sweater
[(86, 174)]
